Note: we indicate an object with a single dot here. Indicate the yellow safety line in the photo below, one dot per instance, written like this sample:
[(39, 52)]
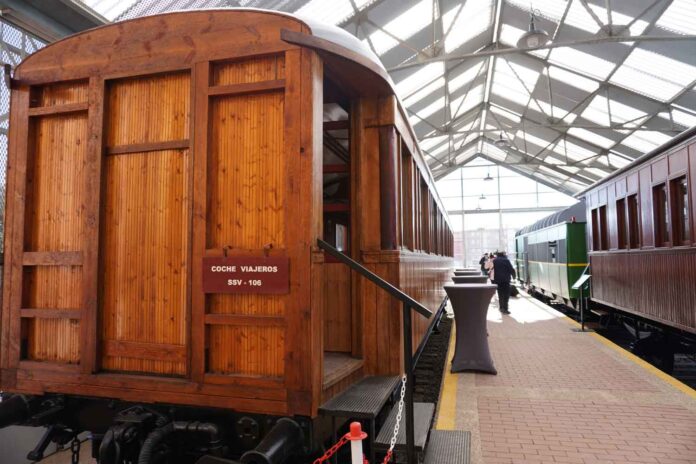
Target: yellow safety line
[(647, 366), (632, 357), (448, 398)]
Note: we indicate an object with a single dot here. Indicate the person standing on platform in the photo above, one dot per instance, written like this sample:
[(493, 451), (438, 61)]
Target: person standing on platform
[(489, 265), (502, 273), (482, 263)]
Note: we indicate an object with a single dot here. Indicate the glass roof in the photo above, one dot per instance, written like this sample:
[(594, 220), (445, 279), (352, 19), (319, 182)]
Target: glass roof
[(616, 80)]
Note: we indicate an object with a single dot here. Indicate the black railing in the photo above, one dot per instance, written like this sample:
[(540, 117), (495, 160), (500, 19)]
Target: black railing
[(408, 304)]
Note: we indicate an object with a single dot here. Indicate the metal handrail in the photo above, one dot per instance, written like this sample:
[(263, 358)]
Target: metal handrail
[(374, 278), (408, 304)]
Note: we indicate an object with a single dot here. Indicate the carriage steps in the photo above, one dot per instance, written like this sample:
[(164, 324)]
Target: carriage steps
[(365, 400), (362, 400)]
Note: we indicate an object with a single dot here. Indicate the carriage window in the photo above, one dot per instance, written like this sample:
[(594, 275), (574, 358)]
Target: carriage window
[(661, 215), (603, 236), (633, 223), (621, 222), (407, 198), (595, 230), (680, 200)]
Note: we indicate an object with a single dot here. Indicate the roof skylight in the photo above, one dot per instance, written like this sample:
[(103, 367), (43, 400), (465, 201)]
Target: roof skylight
[(460, 80), (598, 111), (573, 79), (680, 117), (330, 12), (581, 62), (644, 141), (403, 26), (680, 17), (419, 95), (653, 74), (591, 137), (466, 21), (466, 102), (419, 79)]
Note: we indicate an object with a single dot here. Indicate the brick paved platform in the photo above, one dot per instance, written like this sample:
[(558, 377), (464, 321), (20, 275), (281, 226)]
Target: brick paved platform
[(566, 397)]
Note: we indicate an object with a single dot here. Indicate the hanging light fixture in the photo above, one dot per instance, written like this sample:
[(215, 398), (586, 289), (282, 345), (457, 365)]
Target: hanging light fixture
[(488, 175), (533, 37), (502, 142), (482, 197)]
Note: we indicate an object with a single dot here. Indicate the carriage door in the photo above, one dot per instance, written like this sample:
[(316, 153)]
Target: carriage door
[(144, 243), (338, 311), (525, 258)]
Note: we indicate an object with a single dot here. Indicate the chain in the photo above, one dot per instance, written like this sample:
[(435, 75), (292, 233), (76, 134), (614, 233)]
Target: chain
[(392, 442), (332, 450), (75, 449)]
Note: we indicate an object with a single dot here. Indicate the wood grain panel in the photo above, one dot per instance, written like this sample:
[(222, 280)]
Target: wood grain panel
[(145, 248), (55, 184), (52, 340), (263, 68), (337, 308), (52, 288), (251, 304), (59, 93), (657, 285), (422, 276), (54, 223), (246, 151), (149, 109), (245, 350)]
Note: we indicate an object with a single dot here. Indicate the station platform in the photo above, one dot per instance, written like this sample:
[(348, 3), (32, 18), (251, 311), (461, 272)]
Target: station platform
[(563, 396)]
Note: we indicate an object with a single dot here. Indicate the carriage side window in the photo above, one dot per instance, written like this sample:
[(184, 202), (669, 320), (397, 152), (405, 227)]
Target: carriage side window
[(424, 216), (633, 222), (621, 222), (661, 215), (595, 230), (407, 198), (680, 213), (603, 236)]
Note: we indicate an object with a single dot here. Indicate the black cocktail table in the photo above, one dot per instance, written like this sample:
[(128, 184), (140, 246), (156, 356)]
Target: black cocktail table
[(470, 279), (470, 303), (463, 273)]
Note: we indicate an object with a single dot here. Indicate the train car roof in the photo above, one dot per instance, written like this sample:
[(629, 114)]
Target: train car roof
[(676, 140), (574, 213)]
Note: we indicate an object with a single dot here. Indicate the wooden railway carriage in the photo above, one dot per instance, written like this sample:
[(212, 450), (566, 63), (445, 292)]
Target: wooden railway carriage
[(641, 236), (139, 149), (551, 253)]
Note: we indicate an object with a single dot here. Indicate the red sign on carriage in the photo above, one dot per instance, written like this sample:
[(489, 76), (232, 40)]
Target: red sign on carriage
[(246, 275)]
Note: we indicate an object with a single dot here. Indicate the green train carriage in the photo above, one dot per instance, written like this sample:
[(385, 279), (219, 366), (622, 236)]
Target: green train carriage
[(551, 254)]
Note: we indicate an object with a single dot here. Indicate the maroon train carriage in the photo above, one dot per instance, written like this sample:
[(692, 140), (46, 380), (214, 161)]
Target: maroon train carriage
[(642, 244)]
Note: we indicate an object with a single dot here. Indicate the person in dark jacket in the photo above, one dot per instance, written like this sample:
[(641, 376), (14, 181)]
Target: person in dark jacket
[(502, 273)]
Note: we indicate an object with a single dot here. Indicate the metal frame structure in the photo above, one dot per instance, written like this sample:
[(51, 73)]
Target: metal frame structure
[(463, 89)]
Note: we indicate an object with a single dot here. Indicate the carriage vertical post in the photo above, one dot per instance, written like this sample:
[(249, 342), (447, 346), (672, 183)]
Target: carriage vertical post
[(582, 309), (408, 367)]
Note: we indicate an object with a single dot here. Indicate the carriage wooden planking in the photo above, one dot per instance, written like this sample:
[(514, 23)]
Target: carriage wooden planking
[(140, 148)]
